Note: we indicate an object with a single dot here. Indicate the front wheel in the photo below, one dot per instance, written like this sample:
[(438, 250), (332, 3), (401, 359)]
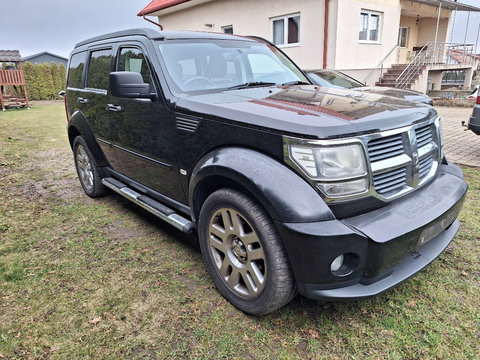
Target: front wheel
[(87, 171), (243, 253)]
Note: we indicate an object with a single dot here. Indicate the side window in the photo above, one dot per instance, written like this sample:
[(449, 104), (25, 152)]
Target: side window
[(75, 71), (132, 59), (99, 69)]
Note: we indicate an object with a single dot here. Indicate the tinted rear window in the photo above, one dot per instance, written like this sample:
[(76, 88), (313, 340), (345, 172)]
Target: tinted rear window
[(75, 70), (99, 69)]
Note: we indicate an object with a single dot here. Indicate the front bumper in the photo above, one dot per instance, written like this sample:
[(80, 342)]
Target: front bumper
[(382, 248), (474, 123)]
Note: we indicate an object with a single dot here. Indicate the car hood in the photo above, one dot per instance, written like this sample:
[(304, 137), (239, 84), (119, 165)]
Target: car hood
[(399, 93), (307, 110)]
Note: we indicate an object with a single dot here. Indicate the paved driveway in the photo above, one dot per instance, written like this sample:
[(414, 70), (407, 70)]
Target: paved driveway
[(461, 147)]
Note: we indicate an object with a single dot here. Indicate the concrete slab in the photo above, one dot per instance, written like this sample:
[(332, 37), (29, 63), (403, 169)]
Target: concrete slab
[(461, 147)]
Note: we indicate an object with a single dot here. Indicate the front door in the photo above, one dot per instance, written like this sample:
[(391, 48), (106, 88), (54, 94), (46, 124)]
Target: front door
[(143, 131)]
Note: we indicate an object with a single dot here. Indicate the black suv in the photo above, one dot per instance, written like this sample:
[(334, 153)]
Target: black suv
[(336, 194)]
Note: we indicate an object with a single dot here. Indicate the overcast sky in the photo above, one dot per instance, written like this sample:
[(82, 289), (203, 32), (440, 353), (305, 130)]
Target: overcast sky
[(33, 26)]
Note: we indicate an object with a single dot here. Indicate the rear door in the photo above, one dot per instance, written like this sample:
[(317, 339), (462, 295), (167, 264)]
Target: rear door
[(143, 130), (94, 99)]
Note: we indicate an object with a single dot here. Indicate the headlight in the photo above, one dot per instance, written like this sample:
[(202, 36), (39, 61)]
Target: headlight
[(339, 170)]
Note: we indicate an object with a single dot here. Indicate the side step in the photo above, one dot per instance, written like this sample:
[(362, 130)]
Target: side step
[(153, 206)]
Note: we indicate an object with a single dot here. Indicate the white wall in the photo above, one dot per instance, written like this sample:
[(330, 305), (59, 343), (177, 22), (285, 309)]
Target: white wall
[(350, 54), (253, 17)]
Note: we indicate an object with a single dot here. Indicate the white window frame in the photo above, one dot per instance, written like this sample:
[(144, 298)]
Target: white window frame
[(380, 25), (399, 37), (285, 29)]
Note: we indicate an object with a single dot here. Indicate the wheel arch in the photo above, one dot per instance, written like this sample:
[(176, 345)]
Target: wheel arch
[(78, 125), (280, 191)]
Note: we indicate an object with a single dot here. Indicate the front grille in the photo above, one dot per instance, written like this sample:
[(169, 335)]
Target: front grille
[(424, 167), (404, 160), (389, 181), (423, 135), (384, 148)]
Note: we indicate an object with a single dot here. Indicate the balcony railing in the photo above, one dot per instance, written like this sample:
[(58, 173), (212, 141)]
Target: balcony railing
[(436, 54)]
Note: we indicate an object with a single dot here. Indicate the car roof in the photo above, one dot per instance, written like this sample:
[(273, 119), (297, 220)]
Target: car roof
[(164, 35)]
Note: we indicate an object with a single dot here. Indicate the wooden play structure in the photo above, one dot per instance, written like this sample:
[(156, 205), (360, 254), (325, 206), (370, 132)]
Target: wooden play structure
[(13, 89)]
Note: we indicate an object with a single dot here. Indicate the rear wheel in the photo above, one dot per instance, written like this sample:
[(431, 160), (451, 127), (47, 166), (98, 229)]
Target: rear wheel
[(243, 253), (87, 171)]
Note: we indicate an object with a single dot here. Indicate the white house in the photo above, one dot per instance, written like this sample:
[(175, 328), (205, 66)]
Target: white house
[(363, 38)]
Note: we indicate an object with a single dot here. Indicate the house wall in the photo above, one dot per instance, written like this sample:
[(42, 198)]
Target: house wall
[(405, 54), (251, 17), (46, 58), (354, 57), (426, 30), (344, 50)]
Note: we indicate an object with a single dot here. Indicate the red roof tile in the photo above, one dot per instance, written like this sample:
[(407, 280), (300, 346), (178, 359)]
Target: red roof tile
[(156, 5)]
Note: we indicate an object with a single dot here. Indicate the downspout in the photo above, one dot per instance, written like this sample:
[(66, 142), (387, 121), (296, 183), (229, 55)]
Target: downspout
[(325, 35), (153, 22)]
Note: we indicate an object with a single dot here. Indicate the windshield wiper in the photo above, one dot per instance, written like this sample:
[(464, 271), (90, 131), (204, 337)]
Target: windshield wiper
[(251, 84), (296, 82)]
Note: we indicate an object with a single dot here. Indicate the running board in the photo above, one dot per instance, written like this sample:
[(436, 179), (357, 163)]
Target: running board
[(163, 212)]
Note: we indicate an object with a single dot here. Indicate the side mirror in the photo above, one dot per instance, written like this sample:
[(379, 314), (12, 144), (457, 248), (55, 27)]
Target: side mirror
[(129, 84)]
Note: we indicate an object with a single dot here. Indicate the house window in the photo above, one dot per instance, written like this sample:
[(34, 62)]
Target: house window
[(228, 29), (403, 37), (286, 30), (370, 23)]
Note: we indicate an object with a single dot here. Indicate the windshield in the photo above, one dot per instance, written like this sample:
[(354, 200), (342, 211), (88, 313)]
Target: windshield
[(194, 65), (334, 79)]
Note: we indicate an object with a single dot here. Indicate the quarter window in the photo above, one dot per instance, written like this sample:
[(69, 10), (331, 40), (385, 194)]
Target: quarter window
[(286, 30), (132, 59), (370, 23), (75, 71), (99, 69)]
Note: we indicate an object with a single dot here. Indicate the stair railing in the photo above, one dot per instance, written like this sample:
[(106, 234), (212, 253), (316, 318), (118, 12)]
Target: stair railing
[(415, 66), (379, 65), (431, 54)]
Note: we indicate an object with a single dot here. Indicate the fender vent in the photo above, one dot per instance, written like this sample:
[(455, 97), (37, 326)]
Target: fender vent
[(188, 123)]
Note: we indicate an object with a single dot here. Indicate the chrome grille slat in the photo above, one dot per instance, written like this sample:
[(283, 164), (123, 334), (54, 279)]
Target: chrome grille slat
[(396, 159), (424, 166), (424, 135), (385, 148), (389, 181)]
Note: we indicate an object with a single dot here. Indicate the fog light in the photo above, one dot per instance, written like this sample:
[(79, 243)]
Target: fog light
[(337, 263)]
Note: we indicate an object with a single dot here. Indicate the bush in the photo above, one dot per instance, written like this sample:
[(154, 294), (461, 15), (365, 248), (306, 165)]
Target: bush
[(44, 82)]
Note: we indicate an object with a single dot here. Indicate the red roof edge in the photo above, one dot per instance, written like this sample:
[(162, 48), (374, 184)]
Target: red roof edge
[(157, 5)]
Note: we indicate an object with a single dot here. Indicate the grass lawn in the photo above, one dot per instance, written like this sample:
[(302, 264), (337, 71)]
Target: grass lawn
[(102, 279)]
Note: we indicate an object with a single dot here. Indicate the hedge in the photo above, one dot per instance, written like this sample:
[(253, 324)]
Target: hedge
[(44, 82)]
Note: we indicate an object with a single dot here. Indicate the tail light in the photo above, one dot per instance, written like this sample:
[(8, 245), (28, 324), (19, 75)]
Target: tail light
[(478, 99)]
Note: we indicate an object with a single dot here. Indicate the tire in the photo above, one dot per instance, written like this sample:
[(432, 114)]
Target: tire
[(244, 253), (87, 171)]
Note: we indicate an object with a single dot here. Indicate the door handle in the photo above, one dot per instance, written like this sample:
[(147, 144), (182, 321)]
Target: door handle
[(114, 108), (81, 100)]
